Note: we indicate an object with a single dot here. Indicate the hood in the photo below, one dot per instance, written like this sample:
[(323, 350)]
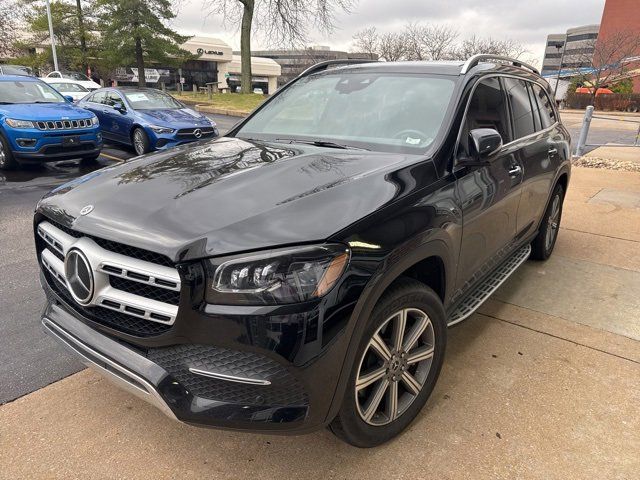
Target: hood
[(44, 111), (231, 195), (176, 118)]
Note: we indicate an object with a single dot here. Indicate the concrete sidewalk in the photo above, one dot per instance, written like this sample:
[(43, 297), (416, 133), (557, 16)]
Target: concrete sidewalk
[(542, 383)]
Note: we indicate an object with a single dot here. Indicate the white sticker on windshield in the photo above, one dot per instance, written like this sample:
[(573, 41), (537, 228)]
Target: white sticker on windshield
[(137, 97), (412, 141)]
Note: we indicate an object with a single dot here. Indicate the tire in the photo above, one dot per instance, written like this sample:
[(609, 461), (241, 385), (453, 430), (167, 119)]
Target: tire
[(89, 160), (542, 245), (358, 421), (7, 161), (140, 141)]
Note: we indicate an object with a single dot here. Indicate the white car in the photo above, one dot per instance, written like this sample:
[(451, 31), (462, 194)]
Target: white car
[(69, 88), (80, 78)]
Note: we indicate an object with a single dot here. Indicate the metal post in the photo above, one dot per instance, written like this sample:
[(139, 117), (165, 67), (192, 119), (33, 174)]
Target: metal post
[(53, 40), (586, 122), (555, 90)]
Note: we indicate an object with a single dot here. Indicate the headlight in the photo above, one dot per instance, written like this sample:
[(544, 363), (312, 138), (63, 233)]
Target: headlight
[(94, 120), (19, 123), (159, 129), (287, 275)]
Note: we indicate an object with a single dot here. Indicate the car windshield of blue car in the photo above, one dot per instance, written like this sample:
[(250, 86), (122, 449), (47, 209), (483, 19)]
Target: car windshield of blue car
[(382, 111), (151, 100), (28, 92)]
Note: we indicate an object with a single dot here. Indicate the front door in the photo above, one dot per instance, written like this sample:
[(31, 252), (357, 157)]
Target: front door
[(489, 195)]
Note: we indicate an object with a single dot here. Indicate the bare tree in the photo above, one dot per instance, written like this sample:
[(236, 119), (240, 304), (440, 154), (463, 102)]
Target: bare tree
[(282, 22), (367, 41), (9, 18), (475, 45), (429, 42), (392, 46), (612, 58)]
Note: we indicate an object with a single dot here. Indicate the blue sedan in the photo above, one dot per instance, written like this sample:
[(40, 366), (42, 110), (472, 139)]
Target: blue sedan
[(146, 118)]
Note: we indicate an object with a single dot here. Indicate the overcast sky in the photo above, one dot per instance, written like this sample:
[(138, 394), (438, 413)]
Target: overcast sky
[(528, 21)]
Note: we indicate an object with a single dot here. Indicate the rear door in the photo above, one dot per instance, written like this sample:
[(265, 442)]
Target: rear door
[(489, 195), (536, 139)]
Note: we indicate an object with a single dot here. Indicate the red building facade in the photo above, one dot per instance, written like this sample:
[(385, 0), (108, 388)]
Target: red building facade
[(621, 16)]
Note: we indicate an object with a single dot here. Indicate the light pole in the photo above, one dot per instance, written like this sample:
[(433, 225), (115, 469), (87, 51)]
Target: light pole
[(559, 45), (53, 40)]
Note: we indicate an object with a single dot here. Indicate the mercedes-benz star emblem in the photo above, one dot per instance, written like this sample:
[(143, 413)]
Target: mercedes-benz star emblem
[(86, 210), (79, 276), (197, 133)]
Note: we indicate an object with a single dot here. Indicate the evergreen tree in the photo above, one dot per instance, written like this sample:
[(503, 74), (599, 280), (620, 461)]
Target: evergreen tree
[(136, 32)]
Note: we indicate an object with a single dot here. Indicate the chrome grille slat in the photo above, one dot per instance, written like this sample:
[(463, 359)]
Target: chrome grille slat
[(105, 263)]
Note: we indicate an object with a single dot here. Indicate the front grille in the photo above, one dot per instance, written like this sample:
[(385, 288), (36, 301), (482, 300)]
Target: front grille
[(132, 295), (284, 390), (64, 124), (205, 132)]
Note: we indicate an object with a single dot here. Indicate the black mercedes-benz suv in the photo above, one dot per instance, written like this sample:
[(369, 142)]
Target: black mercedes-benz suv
[(302, 271)]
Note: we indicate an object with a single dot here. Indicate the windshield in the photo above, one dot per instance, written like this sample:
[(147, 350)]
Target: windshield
[(377, 111), (76, 76), (68, 87), (28, 92), (151, 100)]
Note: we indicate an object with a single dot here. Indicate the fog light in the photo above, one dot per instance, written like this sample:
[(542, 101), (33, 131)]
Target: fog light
[(26, 142)]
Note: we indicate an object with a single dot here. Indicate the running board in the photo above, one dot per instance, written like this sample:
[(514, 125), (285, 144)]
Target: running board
[(489, 285)]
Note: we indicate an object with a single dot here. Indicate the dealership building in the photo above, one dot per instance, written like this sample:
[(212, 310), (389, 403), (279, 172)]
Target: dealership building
[(216, 65)]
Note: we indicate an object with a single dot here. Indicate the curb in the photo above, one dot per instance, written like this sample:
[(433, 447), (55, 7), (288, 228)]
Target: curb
[(221, 111)]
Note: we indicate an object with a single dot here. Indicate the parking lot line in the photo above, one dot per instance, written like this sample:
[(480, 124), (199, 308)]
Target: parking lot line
[(111, 157)]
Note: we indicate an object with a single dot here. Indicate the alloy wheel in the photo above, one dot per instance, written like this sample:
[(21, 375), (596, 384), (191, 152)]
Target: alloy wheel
[(3, 155), (394, 366), (138, 142), (553, 223)]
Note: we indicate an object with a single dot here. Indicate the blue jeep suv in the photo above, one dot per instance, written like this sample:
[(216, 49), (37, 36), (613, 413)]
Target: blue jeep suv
[(37, 124)]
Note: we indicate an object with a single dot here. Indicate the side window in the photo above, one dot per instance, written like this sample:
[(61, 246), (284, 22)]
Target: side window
[(521, 110), (97, 97), (547, 113), (112, 98), (487, 109)]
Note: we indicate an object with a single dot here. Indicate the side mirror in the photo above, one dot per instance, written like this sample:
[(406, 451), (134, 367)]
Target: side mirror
[(119, 106), (484, 142), (68, 98)]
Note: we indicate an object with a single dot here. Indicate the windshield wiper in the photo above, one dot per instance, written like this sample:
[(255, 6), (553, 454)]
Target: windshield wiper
[(320, 143)]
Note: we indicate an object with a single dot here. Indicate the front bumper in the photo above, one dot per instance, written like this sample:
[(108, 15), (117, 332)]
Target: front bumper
[(133, 371), (33, 145)]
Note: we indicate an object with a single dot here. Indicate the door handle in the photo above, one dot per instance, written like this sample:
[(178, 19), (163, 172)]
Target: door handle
[(553, 151), (515, 170)]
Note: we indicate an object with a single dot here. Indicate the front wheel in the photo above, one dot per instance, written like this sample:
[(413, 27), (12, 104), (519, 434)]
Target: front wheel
[(397, 365), (542, 245), (7, 161), (141, 141)]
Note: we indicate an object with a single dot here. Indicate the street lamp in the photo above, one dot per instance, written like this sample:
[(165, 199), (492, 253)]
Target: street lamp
[(53, 40), (559, 45)]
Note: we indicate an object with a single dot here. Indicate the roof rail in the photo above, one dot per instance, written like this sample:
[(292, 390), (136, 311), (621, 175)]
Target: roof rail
[(476, 59), (318, 67)]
